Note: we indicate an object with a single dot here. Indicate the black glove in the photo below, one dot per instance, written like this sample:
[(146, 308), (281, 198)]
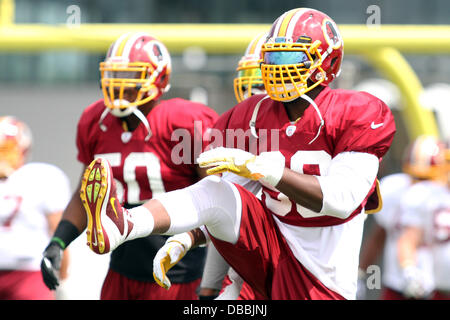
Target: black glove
[(51, 264)]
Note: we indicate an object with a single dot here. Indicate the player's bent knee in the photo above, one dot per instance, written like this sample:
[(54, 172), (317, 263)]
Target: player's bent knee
[(212, 201), (220, 206)]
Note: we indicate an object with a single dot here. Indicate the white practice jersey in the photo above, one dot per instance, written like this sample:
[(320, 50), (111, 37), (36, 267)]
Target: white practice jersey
[(393, 188), (428, 206), (26, 197)]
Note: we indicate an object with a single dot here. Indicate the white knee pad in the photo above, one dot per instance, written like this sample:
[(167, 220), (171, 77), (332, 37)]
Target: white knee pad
[(212, 202)]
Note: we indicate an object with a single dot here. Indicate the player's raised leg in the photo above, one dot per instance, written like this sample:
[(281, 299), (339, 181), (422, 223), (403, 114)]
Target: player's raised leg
[(109, 224)]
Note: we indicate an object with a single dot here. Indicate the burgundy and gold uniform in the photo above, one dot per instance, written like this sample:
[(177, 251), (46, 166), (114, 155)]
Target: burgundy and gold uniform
[(352, 122)]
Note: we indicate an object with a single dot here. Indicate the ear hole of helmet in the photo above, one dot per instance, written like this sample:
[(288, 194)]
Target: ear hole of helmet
[(333, 62)]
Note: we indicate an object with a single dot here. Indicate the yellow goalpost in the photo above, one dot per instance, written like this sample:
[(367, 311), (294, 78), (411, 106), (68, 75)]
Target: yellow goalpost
[(382, 46)]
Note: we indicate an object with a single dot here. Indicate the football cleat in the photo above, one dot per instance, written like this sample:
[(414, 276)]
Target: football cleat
[(108, 222)]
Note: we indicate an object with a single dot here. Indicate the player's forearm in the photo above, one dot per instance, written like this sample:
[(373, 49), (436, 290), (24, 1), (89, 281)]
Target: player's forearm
[(340, 191), (74, 212), (407, 246), (73, 222), (198, 237), (301, 188)]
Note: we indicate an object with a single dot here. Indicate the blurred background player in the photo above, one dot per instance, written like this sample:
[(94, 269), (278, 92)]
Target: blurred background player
[(426, 223), (217, 274), (133, 129), (248, 81), (32, 198), (419, 163)]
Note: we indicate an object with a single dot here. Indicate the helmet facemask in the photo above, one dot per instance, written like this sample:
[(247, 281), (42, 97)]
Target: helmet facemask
[(248, 81), (117, 77), (287, 66)]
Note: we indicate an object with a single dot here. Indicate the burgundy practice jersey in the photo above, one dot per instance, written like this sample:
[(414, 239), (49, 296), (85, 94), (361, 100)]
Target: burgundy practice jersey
[(353, 121), (144, 168)]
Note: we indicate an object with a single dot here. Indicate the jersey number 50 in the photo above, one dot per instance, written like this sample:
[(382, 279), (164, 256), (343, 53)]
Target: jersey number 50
[(136, 159)]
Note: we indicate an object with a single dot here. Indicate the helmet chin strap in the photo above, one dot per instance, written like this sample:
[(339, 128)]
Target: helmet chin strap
[(322, 122), (138, 113), (102, 117), (252, 123), (303, 96)]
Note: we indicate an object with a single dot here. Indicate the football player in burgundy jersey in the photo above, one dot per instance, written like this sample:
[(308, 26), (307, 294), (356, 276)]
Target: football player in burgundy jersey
[(313, 152), (138, 134)]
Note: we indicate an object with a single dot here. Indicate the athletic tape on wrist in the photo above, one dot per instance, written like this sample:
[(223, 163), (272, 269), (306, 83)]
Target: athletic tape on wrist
[(59, 242), (65, 233)]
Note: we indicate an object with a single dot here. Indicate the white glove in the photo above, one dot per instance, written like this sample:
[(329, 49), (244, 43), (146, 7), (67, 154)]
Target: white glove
[(414, 286), (267, 166), (170, 253)]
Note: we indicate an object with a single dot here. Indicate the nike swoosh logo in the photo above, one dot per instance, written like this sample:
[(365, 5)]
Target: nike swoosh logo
[(375, 126), (111, 201)]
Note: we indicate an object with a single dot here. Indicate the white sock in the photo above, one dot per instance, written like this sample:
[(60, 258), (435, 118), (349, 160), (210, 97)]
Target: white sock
[(143, 222)]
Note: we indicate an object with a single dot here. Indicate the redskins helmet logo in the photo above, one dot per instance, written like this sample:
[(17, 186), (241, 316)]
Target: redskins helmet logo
[(331, 34), (155, 52)]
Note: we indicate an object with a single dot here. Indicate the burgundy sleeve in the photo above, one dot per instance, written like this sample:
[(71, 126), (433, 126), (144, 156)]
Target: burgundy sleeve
[(366, 126)]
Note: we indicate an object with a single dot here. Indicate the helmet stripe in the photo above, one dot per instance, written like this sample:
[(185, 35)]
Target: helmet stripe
[(255, 45), (294, 19), (130, 43), (285, 23), (117, 43), (121, 46), (252, 47), (276, 26)]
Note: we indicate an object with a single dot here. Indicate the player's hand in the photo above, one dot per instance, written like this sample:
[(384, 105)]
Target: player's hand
[(414, 283), (170, 253), (51, 264), (267, 166)]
